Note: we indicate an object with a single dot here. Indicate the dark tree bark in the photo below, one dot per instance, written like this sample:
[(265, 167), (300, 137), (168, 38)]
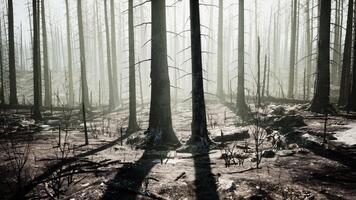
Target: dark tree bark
[(132, 75), (240, 101), (199, 127), (83, 71), (48, 96), (160, 109), (346, 64), (220, 86), (258, 72), (309, 50), (292, 50), (12, 67), (114, 56), (36, 63), (352, 96), (108, 59), (69, 51), (2, 95), (320, 102), (335, 52)]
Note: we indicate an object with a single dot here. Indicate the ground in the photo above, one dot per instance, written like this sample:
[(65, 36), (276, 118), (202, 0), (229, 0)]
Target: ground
[(111, 167)]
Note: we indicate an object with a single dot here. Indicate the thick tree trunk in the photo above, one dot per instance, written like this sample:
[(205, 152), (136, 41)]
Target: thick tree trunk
[(240, 101), (336, 54), (220, 87), (69, 51), (48, 97), (320, 102), (199, 127), (108, 59), (160, 110), (352, 96), (36, 63), (114, 55), (83, 71), (12, 63), (346, 64), (292, 50), (132, 75)]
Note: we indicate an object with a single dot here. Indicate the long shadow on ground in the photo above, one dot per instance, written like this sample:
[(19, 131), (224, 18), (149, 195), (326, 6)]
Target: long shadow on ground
[(128, 181), (205, 180)]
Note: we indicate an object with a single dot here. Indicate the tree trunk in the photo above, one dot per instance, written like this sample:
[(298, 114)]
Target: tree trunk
[(132, 75), (199, 127), (114, 55), (336, 54), (309, 49), (12, 67), (48, 99), (258, 72), (240, 101), (160, 109), (292, 49), (36, 63), (346, 64), (83, 71), (108, 59), (220, 87), (320, 102), (2, 94), (352, 96), (69, 51)]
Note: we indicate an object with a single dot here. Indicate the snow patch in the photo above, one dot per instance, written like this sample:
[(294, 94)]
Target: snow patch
[(347, 137)]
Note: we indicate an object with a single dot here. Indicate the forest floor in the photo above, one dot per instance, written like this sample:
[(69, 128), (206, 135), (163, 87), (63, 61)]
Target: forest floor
[(296, 164)]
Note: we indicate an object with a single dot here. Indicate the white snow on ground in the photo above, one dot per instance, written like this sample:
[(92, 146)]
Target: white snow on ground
[(347, 137)]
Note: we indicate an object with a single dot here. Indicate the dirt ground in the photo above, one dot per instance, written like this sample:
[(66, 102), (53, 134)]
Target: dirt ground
[(107, 169)]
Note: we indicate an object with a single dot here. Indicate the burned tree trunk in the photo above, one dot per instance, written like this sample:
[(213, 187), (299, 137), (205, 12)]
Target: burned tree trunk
[(240, 101), (132, 75), (346, 64), (12, 63), (108, 57), (220, 87), (320, 102), (160, 109), (69, 49), (199, 127), (48, 97), (36, 63)]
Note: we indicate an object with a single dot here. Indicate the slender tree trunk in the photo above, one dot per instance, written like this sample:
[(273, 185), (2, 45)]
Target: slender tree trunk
[(335, 64), (264, 78), (2, 95), (220, 87), (258, 72), (320, 102), (114, 54), (199, 127), (108, 59), (240, 101), (352, 96), (160, 110), (83, 71), (101, 50), (346, 64), (132, 75), (69, 51), (48, 98), (12, 67), (36, 63), (309, 49), (39, 50), (292, 50)]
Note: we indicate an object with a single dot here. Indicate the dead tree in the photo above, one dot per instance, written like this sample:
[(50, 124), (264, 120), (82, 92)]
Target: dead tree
[(114, 55), (160, 109), (258, 72), (320, 102), (132, 75), (12, 62), (108, 59), (48, 97), (220, 86), (36, 63), (69, 52)]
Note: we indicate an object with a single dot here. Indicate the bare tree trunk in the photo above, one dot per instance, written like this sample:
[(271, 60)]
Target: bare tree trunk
[(108, 59), (12, 67), (114, 55), (335, 59), (69, 51), (309, 45), (258, 72), (292, 49), (36, 63), (320, 102), (48, 99), (346, 64), (199, 127), (220, 86), (2, 94), (160, 110), (264, 78), (240, 101), (352, 96), (132, 75)]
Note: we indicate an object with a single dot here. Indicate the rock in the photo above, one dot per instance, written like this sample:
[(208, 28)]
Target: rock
[(268, 154), (285, 153), (302, 151), (289, 121), (278, 110), (232, 136), (293, 146)]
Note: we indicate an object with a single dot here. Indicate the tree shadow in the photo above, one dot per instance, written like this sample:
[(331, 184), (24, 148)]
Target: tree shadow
[(205, 180), (128, 181)]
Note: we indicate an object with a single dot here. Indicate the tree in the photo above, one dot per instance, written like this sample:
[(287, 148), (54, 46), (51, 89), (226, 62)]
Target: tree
[(108, 59), (160, 109), (48, 97), (12, 67), (352, 97), (240, 101), (114, 56), (320, 102), (83, 71), (309, 49), (36, 63), (220, 87), (292, 50), (2, 95), (199, 127), (69, 51), (346, 64), (132, 76)]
